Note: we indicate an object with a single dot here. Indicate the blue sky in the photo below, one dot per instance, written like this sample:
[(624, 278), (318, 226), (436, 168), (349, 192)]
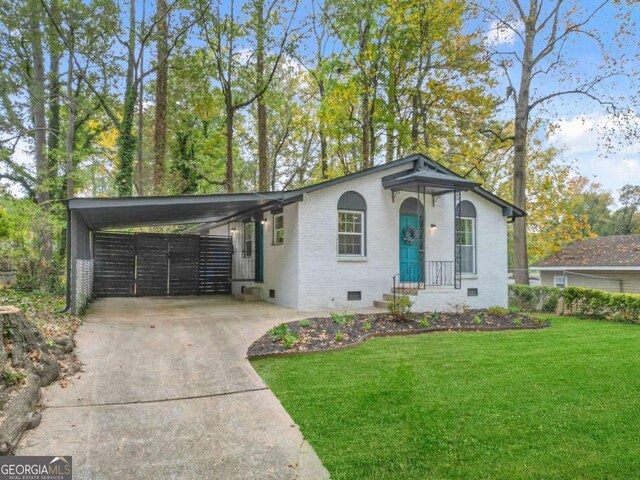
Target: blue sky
[(581, 126)]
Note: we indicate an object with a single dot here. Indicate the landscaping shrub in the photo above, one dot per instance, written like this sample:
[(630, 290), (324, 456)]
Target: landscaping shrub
[(534, 299), (587, 302), (496, 310), (279, 331), (289, 340), (400, 308)]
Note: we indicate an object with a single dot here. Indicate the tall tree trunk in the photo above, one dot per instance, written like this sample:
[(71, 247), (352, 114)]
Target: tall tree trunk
[(71, 114), (126, 139), (126, 145), (520, 255), (366, 130), (160, 130), (391, 118), (415, 120), (140, 149), (53, 142), (263, 153), (37, 91), (230, 111)]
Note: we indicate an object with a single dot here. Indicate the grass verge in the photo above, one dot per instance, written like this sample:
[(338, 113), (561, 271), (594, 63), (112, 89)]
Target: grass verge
[(561, 402)]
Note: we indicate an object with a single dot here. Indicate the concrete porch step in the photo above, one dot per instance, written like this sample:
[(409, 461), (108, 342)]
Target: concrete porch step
[(389, 296), (247, 297), (250, 294), (405, 290), (381, 303)]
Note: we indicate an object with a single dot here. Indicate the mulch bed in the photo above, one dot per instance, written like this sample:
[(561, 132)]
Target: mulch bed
[(321, 334)]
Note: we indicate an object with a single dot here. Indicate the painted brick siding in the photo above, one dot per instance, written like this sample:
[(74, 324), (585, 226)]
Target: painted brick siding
[(491, 255), (326, 278), (307, 273), (280, 261)]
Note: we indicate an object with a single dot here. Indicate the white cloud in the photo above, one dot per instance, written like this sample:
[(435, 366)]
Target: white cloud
[(500, 33), (581, 139)]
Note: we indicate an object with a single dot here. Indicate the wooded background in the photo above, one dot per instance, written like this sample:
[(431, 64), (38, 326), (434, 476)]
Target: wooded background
[(173, 97)]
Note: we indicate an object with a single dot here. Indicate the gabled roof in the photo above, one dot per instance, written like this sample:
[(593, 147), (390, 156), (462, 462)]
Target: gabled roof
[(121, 212), (613, 251), (420, 162)]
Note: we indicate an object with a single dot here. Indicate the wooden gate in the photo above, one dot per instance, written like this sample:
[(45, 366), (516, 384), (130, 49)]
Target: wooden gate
[(147, 264)]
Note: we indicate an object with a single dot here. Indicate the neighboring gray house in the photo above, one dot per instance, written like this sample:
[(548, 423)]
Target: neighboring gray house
[(340, 243), (604, 263)]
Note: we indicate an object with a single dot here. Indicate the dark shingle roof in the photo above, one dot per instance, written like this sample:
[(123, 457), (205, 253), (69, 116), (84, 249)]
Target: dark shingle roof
[(612, 251)]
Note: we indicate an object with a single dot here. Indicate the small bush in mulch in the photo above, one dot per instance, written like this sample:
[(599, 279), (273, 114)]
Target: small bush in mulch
[(340, 330)]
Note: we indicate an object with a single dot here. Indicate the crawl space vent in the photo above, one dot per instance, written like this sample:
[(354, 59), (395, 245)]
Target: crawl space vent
[(354, 295)]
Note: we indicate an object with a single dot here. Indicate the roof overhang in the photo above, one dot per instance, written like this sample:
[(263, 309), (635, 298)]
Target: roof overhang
[(105, 213), (427, 180)]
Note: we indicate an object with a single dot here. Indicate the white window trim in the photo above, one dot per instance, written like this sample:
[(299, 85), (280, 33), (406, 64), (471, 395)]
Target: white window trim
[(361, 234), (245, 239), (474, 245), (275, 230), (564, 281)]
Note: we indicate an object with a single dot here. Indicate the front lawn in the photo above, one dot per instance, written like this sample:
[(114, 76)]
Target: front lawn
[(557, 403)]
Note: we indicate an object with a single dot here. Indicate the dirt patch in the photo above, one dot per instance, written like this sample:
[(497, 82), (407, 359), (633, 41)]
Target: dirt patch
[(326, 333), (31, 357)]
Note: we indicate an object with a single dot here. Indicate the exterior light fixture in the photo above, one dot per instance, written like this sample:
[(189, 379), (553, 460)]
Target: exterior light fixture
[(434, 226), (263, 221), (233, 229)]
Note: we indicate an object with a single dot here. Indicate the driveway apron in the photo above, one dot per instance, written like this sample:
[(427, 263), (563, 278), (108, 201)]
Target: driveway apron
[(166, 391)]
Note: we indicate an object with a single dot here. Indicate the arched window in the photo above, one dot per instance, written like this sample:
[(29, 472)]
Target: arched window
[(351, 225), (467, 237)]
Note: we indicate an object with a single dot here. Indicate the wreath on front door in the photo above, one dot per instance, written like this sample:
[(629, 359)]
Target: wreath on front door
[(410, 235)]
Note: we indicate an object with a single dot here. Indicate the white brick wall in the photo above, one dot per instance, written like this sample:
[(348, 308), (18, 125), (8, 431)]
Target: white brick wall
[(307, 273), (325, 278), (280, 261)]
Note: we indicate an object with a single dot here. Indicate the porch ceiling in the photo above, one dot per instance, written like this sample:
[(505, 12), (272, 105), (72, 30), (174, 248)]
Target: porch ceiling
[(426, 180), (103, 213)]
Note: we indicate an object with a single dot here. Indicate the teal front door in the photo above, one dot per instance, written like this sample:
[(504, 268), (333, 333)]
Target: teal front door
[(410, 270), (259, 252)]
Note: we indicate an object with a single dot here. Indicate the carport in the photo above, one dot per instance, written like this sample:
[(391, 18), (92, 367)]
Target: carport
[(104, 262)]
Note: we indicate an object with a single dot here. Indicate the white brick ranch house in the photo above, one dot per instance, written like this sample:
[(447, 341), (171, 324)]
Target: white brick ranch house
[(342, 243)]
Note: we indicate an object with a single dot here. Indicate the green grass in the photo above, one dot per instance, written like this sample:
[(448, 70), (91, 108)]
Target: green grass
[(557, 403)]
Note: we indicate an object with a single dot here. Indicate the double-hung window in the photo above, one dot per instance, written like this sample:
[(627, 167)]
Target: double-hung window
[(467, 231), (350, 233), (249, 230), (352, 240), (278, 229), (468, 245)]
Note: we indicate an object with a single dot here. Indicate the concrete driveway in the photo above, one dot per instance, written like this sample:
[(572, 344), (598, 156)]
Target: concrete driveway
[(166, 392)]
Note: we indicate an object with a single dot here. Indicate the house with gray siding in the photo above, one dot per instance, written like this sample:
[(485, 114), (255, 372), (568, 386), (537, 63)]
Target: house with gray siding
[(609, 263), (410, 226)]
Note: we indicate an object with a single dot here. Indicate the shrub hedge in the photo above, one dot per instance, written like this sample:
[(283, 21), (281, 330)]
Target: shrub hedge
[(584, 302), (534, 299), (587, 302)]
